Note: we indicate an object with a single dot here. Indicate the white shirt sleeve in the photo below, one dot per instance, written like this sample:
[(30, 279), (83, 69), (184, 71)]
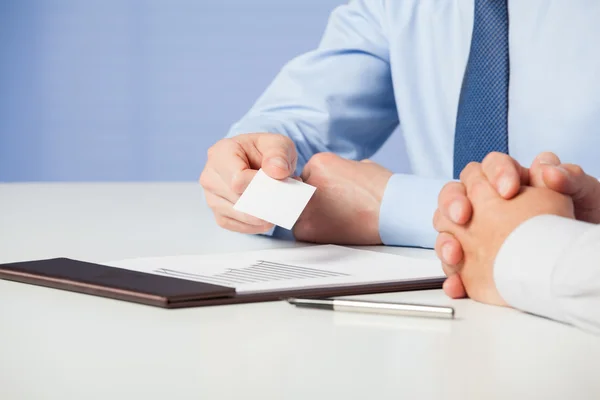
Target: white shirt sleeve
[(550, 266)]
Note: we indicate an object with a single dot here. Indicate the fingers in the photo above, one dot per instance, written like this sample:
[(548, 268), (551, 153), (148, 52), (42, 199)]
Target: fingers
[(454, 288), (274, 153), (229, 218), (558, 178), (237, 226), (454, 204), (306, 171), (447, 247), (279, 155), (221, 197), (213, 183), (241, 180), (543, 159), (584, 190), (569, 179), (231, 166), (227, 158), (505, 174), (449, 251), (477, 185)]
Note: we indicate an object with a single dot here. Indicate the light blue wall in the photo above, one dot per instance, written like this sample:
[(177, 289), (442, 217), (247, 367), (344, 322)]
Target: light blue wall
[(137, 90)]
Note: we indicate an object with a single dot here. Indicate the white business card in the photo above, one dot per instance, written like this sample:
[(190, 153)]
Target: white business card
[(279, 202)]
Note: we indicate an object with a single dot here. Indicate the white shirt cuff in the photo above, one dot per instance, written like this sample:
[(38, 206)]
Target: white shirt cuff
[(406, 213), (525, 264)]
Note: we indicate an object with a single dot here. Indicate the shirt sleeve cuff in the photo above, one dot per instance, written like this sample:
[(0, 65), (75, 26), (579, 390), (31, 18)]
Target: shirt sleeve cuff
[(407, 208), (524, 266)]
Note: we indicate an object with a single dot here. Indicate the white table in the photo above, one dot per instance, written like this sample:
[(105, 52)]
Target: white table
[(61, 345)]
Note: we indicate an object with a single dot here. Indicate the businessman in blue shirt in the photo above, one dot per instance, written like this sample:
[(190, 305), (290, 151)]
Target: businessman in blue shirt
[(458, 79)]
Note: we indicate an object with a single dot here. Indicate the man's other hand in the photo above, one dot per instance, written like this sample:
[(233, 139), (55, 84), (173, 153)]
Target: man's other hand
[(345, 206)]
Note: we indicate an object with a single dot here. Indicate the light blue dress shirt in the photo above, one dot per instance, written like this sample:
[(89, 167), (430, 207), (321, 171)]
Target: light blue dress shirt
[(383, 65)]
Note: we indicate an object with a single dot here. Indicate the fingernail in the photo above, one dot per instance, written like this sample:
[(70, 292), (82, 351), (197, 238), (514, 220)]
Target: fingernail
[(562, 170), (279, 162), (558, 168), (504, 186), (455, 212), (547, 160), (446, 253)]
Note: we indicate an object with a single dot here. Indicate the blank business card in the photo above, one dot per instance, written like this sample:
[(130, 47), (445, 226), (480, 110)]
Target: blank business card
[(279, 202)]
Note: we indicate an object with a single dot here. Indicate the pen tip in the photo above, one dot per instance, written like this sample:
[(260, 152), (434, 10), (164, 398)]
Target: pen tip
[(291, 301)]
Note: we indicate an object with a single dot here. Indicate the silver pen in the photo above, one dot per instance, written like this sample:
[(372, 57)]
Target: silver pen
[(376, 307)]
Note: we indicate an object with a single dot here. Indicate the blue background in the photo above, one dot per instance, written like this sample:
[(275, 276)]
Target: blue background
[(125, 90)]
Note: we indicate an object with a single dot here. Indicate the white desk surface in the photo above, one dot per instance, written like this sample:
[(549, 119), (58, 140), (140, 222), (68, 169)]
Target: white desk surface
[(61, 345)]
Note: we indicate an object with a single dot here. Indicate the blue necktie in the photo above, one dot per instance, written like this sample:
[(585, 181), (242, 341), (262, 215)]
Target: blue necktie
[(482, 119)]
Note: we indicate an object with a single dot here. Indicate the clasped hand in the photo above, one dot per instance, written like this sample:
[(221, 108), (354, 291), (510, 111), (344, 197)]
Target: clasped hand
[(476, 215)]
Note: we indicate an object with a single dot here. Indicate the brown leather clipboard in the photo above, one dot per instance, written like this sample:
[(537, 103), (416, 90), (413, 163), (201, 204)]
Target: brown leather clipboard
[(167, 292)]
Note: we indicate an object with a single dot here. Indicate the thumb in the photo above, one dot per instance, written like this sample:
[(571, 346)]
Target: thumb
[(279, 155), (541, 162), (454, 287), (571, 180)]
